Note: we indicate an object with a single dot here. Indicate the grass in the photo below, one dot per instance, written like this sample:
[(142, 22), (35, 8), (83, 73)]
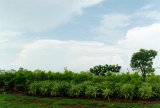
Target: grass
[(15, 101)]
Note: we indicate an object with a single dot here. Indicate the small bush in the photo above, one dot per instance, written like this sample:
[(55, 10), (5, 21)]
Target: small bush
[(1, 80), (146, 92), (156, 89), (45, 88), (60, 88), (76, 90), (127, 91), (106, 93), (34, 88), (91, 91), (9, 81)]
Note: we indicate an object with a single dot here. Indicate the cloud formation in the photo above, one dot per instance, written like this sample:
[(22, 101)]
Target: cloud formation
[(39, 15), (56, 54), (111, 27), (81, 55), (149, 11)]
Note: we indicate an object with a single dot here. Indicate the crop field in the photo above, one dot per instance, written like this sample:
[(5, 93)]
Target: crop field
[(40, 89)]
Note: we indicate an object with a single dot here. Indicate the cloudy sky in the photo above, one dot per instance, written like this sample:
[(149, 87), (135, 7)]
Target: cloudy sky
[(78, 34)]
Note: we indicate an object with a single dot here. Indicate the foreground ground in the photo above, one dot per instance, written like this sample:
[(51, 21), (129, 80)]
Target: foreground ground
[(18, 101)]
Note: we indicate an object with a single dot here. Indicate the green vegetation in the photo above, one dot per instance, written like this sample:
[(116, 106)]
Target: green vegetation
[(15, 101), (101, 82), (143, 61), (83, 85), (102, 70)]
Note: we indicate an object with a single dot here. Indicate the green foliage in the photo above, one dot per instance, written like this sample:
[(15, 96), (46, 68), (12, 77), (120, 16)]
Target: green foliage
[(45, 88), (154, 80), (98, 79), (34, 88), (127, 91), (1, 80), (107, 93), (84, 84), (40, 75), (82, 76), (156, 88), (76, 90), (9, 81), (91, 91), (146, 92), (60, 88), (102, 70), (20, 81), (55, 89), (142, 61)]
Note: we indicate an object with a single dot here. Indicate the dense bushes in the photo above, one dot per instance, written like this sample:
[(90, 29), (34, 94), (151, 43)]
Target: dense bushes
[(84, 84), (91, 90)]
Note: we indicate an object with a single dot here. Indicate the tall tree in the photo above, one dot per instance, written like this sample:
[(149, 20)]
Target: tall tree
[(142, 61)]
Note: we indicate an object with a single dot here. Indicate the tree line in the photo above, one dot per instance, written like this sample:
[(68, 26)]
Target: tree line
[(141, 61)]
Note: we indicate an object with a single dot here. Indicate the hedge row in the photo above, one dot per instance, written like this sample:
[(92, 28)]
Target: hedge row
[(88, 89), (84, 84)]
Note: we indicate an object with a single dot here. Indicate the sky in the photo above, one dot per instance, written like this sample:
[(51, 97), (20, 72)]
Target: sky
[(77, 34)]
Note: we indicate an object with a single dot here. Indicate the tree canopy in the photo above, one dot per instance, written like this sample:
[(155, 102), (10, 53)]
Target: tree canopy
[(142, 61), (101, 70)]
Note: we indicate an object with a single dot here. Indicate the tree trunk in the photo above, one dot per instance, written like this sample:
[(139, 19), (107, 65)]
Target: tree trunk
[(144, 76)]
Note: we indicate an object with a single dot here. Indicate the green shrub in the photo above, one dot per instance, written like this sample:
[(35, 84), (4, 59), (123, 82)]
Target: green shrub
[(34, 88), (55, 89), (45, 88), (145, 91), (1, 80), (127, 91), (9, 81), (91, 91), (83, 76), (60, 88), (82, 84), (20, 81), (154, 80), (106, 93), (98, 79), (40, 75), (76, 90), (156, 88)]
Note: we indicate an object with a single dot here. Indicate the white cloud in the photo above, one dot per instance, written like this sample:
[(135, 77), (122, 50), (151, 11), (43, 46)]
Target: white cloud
[(149, 12), (9, 37), (115, 21), (81, 55), (9, 34), (19, 18), (142, 37), (112, 26), (147, 7), (76, 55), (39, 15)]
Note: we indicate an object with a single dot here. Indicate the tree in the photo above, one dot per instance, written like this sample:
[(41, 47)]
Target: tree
[(142, 61), (101, 70)]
